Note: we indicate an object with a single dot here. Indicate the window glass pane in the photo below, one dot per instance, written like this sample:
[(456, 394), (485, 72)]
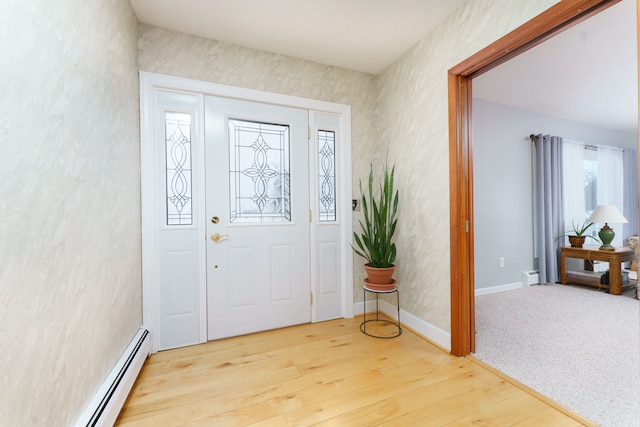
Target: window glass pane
[(590, 181), (178, 168), (259, 172), (327, 175)]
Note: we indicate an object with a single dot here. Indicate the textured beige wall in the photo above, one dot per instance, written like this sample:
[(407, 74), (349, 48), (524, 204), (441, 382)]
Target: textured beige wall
[(413, 108), (177, 54), (70, 292)]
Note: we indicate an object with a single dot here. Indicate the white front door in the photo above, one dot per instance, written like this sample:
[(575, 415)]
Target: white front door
[(268, 176), (257, 203)]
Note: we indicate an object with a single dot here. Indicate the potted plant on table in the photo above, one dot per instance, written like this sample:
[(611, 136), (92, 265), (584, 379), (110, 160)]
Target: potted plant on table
[(375, 241), (577, 234)]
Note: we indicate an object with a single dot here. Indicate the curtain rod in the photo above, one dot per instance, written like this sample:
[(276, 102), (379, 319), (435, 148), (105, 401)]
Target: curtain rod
[(588, 146)]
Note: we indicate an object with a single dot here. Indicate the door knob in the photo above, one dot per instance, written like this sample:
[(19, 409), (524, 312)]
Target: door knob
[(216, 236)]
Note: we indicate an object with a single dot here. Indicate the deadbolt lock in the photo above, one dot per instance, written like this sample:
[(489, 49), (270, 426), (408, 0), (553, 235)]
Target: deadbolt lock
[(215, 219)]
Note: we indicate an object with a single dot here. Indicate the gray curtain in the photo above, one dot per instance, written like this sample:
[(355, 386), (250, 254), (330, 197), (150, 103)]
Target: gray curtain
[(549, 205), (630, 183)]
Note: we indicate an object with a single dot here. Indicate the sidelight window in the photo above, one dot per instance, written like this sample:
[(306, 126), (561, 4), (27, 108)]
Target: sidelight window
[(178, 168), (327, 175)]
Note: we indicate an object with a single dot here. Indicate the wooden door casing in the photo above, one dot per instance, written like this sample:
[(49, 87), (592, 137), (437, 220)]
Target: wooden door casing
[(552, 21)]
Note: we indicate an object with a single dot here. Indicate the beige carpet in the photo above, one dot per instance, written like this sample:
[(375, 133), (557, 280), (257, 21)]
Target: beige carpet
[(577, 345)]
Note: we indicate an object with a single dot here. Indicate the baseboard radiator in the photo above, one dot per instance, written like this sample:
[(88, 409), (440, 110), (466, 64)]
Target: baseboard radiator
[(530, 278), (108, 401)]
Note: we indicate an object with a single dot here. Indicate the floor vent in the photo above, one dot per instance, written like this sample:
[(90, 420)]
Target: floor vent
[(107, 403)]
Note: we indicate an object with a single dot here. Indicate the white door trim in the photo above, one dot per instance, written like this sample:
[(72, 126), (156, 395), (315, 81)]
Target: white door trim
[(149, 84)]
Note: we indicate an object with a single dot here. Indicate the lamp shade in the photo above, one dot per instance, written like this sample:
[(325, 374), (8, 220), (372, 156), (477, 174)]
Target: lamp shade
[(607, 213)]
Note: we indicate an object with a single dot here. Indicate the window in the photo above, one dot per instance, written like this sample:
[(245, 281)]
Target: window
[(327, 175), (592, 176), (259, 169), (178, 168)]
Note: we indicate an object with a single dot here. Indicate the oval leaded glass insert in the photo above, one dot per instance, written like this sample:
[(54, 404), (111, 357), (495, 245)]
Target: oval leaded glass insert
[(259, 172)]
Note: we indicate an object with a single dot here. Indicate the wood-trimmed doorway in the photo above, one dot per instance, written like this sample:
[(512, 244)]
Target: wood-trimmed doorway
[(554, 20)]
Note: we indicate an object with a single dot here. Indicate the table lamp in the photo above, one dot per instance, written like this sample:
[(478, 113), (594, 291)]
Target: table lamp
[(606, 214)]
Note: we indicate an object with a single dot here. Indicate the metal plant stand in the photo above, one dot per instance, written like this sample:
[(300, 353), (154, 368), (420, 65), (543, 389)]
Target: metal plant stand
[(363, 325)]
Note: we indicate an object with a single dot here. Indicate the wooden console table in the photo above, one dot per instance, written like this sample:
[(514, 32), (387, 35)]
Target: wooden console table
[(614, 258)]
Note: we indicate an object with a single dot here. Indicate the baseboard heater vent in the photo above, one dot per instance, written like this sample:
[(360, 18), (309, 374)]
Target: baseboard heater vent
[(108, 401), (530, 278)]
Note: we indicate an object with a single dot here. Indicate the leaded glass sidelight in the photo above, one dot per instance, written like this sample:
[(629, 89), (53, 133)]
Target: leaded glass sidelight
[(259, 172), (178, 168), (327, 175)]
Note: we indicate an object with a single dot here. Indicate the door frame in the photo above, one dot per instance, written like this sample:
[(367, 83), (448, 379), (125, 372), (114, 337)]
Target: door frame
[(552, 21), (149, 84)]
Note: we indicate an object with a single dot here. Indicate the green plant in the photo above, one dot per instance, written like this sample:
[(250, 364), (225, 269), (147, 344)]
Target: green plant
[(375, 242), (579, 229)]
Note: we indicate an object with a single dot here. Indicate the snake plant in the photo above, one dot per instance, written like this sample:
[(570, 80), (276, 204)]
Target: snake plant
[(375, 242)]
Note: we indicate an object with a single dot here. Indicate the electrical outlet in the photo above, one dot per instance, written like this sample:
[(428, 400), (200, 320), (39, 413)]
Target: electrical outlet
[(501, 262)]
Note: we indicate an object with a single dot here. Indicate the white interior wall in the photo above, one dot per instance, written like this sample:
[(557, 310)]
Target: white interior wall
[(503, 184), (70, 290), (502, 188)]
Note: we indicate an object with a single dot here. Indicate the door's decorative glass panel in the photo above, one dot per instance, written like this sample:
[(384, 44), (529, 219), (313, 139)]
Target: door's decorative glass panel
[(259, 172), (178, 168), (327, 175)]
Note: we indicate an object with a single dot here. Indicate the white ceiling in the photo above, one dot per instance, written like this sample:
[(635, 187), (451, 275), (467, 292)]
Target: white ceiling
[(588, 73), (362, 35)]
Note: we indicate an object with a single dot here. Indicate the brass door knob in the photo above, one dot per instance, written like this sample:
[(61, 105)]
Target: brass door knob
[(216, 236)]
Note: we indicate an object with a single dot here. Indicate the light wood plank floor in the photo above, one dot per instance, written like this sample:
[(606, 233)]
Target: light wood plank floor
[(327, 374)]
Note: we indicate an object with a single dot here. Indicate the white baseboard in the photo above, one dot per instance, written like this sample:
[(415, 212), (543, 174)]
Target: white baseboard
[(499, 288), (371, 306), (427, 330), (104, 408)]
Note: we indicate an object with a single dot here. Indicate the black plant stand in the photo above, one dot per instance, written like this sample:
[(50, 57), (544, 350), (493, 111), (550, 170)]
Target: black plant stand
[(363, 325)]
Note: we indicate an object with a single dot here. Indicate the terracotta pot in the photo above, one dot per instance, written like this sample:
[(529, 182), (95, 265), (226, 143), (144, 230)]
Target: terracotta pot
[(385, 287), (577, 241), (380, 276)]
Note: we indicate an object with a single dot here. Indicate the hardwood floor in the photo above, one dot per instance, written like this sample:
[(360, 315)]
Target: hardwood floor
[(327, 374)]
